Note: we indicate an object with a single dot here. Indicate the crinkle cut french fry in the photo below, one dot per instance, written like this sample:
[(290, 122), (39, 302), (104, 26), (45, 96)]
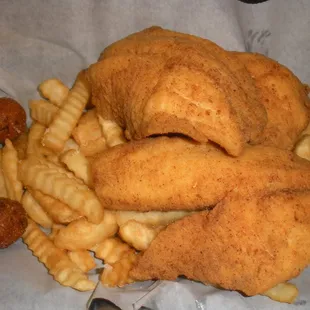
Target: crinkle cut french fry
[(52, 180), (87, 128), (53, 167), (70, 145), (78, 164), (113, 133), (57, 210), (54, 231), (54, 158), (56, 261), (83, 259), (34, 139), (14, 187), (111, 250), (42, 111), (82, 235), (154, 218), (302, 148), (117, 274), (68, 115), (35, 147), (54, 90), (3, 192), (94, 147), (88, 134), (138, 235), (283, 292), (35, 211)]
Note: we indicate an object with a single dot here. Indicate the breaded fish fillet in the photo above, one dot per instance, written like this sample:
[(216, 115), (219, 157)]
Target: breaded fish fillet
[(158, 81), (248, 244), (284, 97), (175, 174)]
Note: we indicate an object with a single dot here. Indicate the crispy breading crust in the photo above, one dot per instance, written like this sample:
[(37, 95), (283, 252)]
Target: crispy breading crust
[(13, 221), (175, 174), (158, 81), (284, 97), (248, 244)]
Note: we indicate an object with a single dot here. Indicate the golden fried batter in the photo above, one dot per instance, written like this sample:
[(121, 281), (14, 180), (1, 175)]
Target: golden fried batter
[(159, 81), (12, 119), (175, 174), (248, 244), (13, 221), (284, 97)]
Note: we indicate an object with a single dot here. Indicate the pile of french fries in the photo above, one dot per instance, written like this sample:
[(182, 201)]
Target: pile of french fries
[(48, 170)]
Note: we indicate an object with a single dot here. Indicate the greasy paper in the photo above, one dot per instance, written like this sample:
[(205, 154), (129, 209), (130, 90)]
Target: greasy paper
[(45, 39)]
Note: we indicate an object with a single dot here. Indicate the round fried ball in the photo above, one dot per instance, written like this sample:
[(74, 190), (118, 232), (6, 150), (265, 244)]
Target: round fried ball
[(13, 221), (12, 119)]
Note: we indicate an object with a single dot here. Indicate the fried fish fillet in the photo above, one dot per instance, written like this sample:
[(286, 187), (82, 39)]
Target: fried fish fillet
[(176, 174), (248, 244), (158, 81), (284, 97)]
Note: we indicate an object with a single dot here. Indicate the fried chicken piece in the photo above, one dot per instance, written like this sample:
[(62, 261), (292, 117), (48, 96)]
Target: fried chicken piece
[(13, 221), (176, 174), (284, 97), (12, 119), (248, 244), (159, 81)]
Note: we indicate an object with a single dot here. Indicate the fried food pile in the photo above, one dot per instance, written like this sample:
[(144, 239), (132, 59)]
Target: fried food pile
[(169, 156), (211, 133)]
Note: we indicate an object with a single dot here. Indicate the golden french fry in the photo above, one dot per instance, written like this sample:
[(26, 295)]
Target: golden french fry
[(88, 134), (70, 145), (117, 274), (302, 149), (35, 147), (113, 133), (54, 231), (14, 187), (56, 261), (153, 218), (54, 158), (42, 111), (111, 250), (3, 192), (53, 167), (78, 164), (83, 259), (283, 292), (55, 181), (35, 211), (20, 145), (94, 147), (57, 210), (82, 235), (68, 115), (54, 90), (138, 235)]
